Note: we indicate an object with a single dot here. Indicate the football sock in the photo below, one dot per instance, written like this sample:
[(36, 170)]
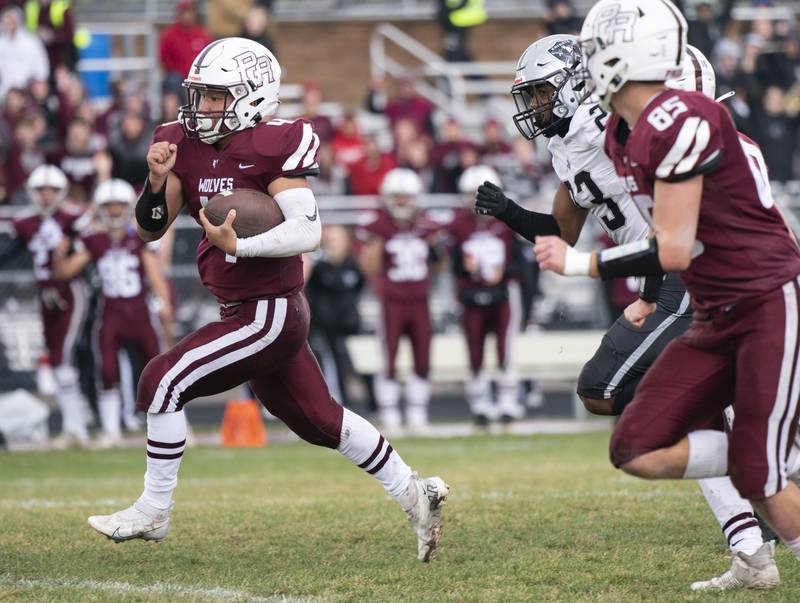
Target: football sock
[(109, 406), (478, 395), (794, 546), (70, 401), (418, 395), (366, 447), (708, 454), (734, 514), (166, 439), (387, 396)]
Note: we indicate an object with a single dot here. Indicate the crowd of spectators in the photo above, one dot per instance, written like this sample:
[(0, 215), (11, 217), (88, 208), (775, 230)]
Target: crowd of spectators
[(47, 117)]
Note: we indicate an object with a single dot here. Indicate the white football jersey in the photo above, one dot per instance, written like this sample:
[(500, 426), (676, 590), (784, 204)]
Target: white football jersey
[(580, 162)]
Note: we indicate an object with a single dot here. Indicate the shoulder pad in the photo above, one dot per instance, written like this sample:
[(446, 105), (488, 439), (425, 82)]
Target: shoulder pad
[(168, 132), (293, 143)]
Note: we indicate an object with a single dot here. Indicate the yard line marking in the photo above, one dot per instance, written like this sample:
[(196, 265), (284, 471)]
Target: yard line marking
[(159, 588)]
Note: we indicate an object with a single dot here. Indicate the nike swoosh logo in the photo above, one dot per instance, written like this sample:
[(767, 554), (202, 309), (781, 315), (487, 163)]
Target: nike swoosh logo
[(314, 217), (244, 166), (543, 64)]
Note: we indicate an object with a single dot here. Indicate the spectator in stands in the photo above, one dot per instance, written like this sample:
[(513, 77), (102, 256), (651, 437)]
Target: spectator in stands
[(418, 158), (333, 285), (15, 104), (446, 156), (456, 18), (128, 148), (256, 27), (24, 156), (180, 44), (495, 149), (170, 103), (407, 104), (47, 103), (312, 99), (23, 58), (82, 160), (71, 95), (52, 21), (224, 18), (776, 132), (367, 174), (348, 146), (332, 178), (706, 27), (561, 18)]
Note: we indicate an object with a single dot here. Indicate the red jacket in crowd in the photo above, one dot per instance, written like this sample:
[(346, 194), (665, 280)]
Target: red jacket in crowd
[(180, 44)]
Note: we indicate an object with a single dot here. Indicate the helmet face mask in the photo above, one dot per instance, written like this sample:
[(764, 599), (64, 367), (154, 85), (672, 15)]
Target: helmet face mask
[(47, 198), (249, 77), (543, 91), (114, 214), (47, 187), (113, 201)]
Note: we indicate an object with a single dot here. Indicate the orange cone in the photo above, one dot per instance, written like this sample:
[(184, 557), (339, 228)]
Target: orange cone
[(242, 425)]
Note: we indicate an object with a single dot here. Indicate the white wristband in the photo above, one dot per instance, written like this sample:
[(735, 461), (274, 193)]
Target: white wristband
[(577, 263)]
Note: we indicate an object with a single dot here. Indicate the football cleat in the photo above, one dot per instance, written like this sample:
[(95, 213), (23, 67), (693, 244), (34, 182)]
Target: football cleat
[(425, 515), (747, 571), (140, 520)]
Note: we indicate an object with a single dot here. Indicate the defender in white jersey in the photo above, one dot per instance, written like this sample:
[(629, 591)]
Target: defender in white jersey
[(548, 105)]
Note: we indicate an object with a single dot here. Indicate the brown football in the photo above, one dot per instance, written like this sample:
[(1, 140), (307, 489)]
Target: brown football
[(256, 212)]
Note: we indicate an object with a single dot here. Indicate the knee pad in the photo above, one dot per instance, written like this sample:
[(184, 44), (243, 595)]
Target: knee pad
[(590, 384), (148, 383), (66, 376)]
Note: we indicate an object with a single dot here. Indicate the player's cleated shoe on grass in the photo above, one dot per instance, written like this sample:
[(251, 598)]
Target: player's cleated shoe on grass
[(427, 497), (140, 520), (747, 571)]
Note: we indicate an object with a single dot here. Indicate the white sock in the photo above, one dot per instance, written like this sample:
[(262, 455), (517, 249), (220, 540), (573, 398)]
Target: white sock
[(734, 514), (794, 546), (387, 396), (109, 404), (366, 447), (708, 454), (166, 440), (418, 396), (70, 401), (477, 392)]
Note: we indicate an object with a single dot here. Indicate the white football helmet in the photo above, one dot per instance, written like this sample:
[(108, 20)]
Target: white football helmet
[(476, 175), (399, 188), (47, 176), (114, 191), (630, 41), (549, 63), (244, 69), (697, 74)]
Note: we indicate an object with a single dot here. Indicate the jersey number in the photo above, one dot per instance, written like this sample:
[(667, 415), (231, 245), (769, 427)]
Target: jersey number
[(410, 259), (119, 273), (617, 218), (663, 116), (599, 120)]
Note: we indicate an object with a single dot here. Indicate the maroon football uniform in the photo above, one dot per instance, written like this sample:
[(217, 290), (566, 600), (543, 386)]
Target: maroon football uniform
[(124, 317), (742, 345), (252, 159), (482, 253), (747, 248), (63, 304)]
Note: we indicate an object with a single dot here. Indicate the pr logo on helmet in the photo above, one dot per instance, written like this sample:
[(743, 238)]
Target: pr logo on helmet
[(613, 21), (255, 69)]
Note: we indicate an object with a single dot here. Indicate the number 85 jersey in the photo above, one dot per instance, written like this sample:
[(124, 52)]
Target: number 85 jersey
[(581, 164)]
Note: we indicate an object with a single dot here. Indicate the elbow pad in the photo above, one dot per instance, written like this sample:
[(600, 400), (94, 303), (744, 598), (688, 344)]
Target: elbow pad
[(633, 259), (151, 208)]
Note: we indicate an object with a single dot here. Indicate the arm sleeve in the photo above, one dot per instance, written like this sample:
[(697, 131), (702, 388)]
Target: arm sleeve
[(300, 232), (530, 224)]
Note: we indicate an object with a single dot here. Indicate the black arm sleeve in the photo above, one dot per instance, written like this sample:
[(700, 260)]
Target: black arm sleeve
[(530, 224), (151, 208), (651, 288), (10, 250)]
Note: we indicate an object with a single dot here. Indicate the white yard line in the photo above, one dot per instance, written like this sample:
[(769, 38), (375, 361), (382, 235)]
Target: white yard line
[(162, 589)]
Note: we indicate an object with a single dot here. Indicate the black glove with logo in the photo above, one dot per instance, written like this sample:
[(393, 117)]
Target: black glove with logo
[(491, 201)]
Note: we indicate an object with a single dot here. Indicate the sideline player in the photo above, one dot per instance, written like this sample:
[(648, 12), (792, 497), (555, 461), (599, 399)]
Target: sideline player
[(224, 139), (63, 305), (395, 256), (607, 383), (715, 221), (482, 261), (128, 271)]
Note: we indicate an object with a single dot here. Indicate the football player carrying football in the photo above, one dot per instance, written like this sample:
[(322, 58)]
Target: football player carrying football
[(576, 135), (226, 138), (714, 220)]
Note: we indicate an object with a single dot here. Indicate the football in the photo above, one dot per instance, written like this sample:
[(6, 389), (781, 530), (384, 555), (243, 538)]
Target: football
[(256, 212)]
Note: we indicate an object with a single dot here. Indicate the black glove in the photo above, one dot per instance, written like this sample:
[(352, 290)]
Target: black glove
[(491, 201)]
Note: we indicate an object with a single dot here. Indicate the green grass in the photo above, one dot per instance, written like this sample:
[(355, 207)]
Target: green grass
[(542, 518)]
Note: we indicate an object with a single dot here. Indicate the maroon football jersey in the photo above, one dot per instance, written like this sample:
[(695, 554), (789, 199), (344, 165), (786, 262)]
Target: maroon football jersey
[(252, 158), (406, 251), (747, 248), (119, 264), (482, 250), (42, 234)]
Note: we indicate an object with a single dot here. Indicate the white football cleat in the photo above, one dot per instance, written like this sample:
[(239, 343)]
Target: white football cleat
[(747, 571), (140, 520), (425, 516)]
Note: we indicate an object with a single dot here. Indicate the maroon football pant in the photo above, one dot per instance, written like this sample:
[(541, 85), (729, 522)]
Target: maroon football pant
[(63, 310), (478, 322), (262, 342), (411, 318), (747, 356), (120, 329)]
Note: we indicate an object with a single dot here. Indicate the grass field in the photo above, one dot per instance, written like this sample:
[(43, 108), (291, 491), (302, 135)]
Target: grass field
[(541, 518)]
